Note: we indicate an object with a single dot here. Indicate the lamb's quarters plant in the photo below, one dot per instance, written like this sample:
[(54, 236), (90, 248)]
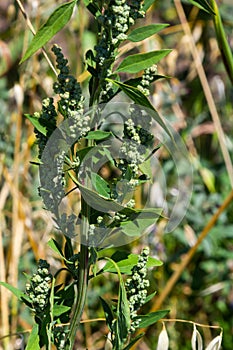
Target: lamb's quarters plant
[(77, 135)]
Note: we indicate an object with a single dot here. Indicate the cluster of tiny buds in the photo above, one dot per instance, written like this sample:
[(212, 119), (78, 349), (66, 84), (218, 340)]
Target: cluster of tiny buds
[(147, 78), (38, 289), (130, 151), (136, 287), (59, 338), (47, 118), (67, 86)]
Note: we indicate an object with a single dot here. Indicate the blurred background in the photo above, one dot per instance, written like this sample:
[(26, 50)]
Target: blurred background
[(204, 291)]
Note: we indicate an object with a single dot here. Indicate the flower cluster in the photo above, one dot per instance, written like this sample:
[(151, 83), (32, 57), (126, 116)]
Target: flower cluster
[(59, 337), (38, 289), (131, 153), (136, 288), (147, 79), (116, 18), (52, 180), (47, 118), (67, 86)]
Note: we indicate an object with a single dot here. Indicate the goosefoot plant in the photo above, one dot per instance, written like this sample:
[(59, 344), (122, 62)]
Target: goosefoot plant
[(71, 155)]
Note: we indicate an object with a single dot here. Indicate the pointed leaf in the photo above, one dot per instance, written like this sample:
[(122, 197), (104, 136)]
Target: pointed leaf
[(126, 265), (151, 318), (142, 33), (163, 341), (138, 62), (215, 344), (60, 309), (18, 293), (57, 20), (95, 200), (133, 341), (149, 297), (33, 340), (36, 123), (139, 98), (100, 185), (123, 313), (203, 5), (98, 135), (196, 341), (108, 313), (147, 4)]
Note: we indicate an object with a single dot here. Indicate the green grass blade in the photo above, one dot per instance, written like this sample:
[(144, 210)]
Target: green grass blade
[(224, 47)]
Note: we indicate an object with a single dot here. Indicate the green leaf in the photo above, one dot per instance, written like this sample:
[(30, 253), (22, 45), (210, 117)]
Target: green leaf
[(98, 135), (223, 44), (52, 243), (133, 341), (100, 185), (139, 98), (147, 4), (123, 314), (95, 200), (18, 293), (142, 33), (33, 340), (138, 62), (151, 318), (57, 20), (36, 123), (149, 297), (60, 309), (203, 5), (145, 168), (139, 222), (108, 313), (125, 266)]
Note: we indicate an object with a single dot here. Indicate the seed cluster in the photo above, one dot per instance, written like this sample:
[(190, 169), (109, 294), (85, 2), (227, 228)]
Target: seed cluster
[(115, 20), (38, 289), (147, 79), (67, 86), (47, 118), (136, 288)]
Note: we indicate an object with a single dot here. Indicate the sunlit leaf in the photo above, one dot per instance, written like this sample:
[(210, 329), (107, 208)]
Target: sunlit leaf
[(100, 185), (57, 20), (147, 4), (139, 98), (138, 62), (151, 318), (36, 123), (18, 293), (127, 264), (203, 5), (60, 309), (33, 340), (98, 135), (142, 33)]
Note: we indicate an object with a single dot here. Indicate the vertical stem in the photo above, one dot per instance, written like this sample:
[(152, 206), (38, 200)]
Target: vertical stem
[(82, 284)]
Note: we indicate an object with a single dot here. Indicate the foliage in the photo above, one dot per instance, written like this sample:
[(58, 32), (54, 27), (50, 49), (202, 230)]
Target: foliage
[(205, 285)]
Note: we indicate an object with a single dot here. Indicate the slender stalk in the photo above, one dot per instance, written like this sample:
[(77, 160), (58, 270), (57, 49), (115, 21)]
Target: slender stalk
[(83, 272)]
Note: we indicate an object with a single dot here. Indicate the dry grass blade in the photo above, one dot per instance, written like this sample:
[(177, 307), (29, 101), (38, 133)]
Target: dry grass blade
[(206, 90)]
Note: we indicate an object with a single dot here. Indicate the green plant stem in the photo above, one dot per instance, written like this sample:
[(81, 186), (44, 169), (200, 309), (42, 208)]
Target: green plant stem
[(82, 284), (223, 45)]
